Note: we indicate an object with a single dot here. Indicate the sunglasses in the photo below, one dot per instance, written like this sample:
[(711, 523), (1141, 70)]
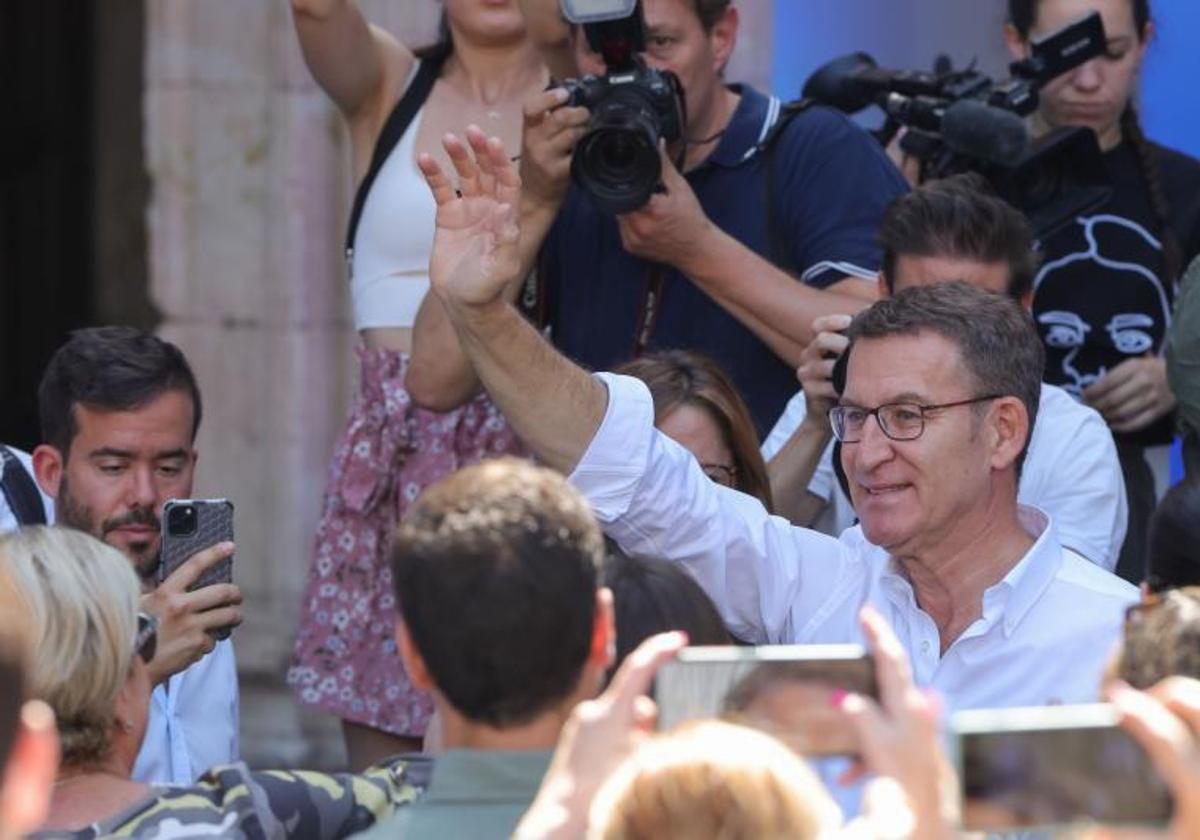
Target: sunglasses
[(145, 642)]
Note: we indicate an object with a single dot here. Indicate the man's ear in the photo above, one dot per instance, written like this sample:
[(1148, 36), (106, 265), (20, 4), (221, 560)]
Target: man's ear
[(603, 651), (1017, 47), (48, 465), (723, 37), (28, 780), (1026, 301), (418, 672), (1012, 428)]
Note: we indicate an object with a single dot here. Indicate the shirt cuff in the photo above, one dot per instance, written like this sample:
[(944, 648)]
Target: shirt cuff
[(611, 469)]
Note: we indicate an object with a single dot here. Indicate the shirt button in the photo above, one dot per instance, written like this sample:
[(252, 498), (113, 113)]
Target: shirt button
[(925, 646)]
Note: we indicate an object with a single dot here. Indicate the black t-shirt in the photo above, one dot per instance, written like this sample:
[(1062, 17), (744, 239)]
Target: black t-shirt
[(1101, 297)]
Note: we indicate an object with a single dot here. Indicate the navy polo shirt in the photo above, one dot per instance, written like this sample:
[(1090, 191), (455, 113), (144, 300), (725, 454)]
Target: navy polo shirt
[(833, 183)]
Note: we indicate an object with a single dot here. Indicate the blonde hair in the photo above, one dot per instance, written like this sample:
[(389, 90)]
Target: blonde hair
[(713, 779), (79, 600)]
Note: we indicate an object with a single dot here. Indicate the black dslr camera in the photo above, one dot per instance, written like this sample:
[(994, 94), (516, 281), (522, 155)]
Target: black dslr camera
[(632, 106)]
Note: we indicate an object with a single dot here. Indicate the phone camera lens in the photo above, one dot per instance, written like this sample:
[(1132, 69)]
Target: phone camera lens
[(181, 521)]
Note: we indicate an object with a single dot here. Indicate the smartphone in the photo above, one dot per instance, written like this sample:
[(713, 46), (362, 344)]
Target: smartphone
[(1054, 767), (785, 690), (190, 526)]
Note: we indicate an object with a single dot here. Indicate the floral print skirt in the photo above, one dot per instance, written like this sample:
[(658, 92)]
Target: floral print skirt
[(345, 659)]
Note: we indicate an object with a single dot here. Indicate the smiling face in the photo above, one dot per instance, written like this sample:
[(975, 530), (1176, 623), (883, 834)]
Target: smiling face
[(1095, 94), (119, 470), (910, 495)]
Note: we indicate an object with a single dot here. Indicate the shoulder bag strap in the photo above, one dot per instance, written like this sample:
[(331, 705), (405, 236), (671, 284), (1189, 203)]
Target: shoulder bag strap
[(397, 123)]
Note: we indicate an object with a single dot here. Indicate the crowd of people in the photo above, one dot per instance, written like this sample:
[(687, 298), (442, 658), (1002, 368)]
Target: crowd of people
[(578, 446)]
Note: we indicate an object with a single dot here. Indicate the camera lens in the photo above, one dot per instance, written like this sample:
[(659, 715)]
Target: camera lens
[(181, 520), (617, 160)]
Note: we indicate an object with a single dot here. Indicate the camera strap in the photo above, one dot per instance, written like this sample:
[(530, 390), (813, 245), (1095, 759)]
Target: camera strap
[(397, 123), (652, 294), (19, 490)]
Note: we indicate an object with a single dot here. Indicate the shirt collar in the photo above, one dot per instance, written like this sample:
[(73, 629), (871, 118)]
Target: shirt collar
[(1025, 582), (487, 776), (1015, 594), (747, 128)]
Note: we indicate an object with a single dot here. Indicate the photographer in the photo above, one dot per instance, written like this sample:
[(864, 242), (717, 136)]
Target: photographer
[(1104, 295), (692, 267)]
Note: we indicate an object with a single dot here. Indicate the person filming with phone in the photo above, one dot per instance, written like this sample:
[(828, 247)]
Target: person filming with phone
[(119, 411)]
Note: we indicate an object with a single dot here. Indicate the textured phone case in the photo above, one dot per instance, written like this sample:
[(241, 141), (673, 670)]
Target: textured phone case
[(214, 524)]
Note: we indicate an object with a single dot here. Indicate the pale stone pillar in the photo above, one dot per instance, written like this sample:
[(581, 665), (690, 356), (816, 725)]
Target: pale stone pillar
[(250, 189)]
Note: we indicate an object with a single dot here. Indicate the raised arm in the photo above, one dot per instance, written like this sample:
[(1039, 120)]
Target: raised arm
[(554, 406), (440, 376), (361, 67)]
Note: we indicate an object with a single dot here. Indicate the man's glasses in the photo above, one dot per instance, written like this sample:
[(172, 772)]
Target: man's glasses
[(899, 421), (145, 642)]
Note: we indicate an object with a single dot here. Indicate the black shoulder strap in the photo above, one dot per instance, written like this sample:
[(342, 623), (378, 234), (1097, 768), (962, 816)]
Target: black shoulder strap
[(397, 123), (19, 490), (778, 252)]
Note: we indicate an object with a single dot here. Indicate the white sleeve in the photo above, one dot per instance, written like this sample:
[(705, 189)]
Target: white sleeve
[(1075, 476), (764, 575), (785, 426)]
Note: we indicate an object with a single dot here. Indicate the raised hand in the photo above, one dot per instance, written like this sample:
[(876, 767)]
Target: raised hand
[(475, 253)]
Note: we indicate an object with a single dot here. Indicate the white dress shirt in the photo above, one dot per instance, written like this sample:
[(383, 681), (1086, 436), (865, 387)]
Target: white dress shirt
[(1071, 471), (1046, 631), (193, 721)]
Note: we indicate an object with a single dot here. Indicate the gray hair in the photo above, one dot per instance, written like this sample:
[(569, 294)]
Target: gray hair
[(998, 341), (79, 600)]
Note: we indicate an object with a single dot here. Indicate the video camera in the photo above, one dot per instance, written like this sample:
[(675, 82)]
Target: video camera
[(632, 106), (963, 120)]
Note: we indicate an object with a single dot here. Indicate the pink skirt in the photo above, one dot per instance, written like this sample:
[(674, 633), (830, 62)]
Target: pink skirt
[(345, 659)]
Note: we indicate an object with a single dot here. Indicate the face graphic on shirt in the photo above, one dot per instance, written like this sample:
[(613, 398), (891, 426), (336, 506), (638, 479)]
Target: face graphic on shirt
[(1100, 304)]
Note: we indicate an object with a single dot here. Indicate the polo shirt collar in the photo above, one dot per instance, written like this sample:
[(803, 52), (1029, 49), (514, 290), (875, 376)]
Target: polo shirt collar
[(474, 776), (751, 120)]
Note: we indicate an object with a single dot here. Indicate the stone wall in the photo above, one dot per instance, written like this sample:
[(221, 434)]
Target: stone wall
[(249, 192)]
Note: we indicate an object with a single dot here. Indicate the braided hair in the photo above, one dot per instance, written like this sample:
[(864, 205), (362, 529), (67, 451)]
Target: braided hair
[(1022, 14)]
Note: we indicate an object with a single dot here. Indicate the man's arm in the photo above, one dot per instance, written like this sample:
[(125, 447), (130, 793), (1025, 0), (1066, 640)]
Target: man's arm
[(359, 66), (650, 491), (440, 376), (672, 228), (805, 425)]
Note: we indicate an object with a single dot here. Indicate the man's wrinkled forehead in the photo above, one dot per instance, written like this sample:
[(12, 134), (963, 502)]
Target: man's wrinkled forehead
[(902, 367)]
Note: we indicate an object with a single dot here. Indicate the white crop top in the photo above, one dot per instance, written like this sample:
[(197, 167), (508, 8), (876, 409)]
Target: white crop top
[(390, 267)]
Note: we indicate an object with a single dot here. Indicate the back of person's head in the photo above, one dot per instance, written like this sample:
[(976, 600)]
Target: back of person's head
[(682, 377), (654, 596), (78, 599), (496, 570), (712, 779), (997, 341), (1162, 639), (110, 369), (959, 217), (1173, 538)]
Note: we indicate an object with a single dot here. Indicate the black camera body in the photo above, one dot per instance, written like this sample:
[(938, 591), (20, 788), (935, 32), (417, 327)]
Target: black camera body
[(632, 107)]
